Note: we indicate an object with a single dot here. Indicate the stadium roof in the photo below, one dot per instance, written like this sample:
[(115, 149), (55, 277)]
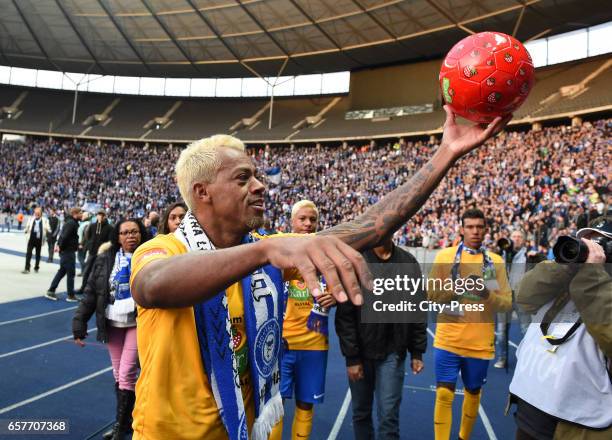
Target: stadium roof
[(227, 38)]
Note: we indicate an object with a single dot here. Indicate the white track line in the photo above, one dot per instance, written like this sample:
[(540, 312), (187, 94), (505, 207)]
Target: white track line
[(432, 388), (54, 390), (36, 316), (341, 415), (481, 411), (34, 347)]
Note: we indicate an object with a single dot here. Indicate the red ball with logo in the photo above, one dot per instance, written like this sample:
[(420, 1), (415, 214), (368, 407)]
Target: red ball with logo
[(486, 75)]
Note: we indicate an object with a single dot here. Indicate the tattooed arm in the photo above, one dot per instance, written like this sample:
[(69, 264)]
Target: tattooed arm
[(388, 215)]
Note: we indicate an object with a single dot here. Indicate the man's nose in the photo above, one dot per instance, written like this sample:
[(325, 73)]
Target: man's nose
[(257, 186)]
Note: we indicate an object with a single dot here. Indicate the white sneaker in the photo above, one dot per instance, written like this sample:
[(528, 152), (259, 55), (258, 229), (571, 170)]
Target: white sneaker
[(501, 363)]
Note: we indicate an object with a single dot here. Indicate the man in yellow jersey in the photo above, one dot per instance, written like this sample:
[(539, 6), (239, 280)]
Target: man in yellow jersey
[(305, 330), (212, 288), (464, 338)]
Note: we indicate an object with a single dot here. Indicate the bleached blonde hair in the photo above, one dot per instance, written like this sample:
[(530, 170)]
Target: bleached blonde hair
[(199, 162), (303, 204)]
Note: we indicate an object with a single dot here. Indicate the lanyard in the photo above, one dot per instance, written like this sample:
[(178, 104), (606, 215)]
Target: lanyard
[(488, 270)]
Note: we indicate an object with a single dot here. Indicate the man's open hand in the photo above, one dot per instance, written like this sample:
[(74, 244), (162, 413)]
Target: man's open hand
[(461, 139), (343, 268)]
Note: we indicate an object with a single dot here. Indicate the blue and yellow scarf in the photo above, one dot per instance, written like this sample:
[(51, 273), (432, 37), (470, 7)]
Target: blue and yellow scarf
[(263, 318)]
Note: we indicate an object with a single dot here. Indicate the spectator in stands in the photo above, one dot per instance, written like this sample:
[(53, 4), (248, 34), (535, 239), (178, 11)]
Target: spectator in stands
[(68, 244), (151, 223), (107, 293), (54, 225), (36, 232), (82, 251), (375, 353), (537, 192), (173, 215), (267, 228), (93, 236)]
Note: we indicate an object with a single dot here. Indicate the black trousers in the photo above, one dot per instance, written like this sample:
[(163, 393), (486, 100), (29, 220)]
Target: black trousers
[(67, 267), (91, 259), (33, 244), (51, 244)]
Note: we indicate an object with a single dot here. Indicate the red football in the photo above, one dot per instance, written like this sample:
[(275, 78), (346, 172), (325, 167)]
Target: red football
[(486, 75)]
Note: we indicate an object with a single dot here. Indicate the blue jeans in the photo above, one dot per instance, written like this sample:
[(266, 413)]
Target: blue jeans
[(67, 267), (383, 379), (81, 254), (502, 318)]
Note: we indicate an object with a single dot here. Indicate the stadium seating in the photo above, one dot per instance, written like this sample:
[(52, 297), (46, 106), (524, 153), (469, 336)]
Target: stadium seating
[(50, 111)]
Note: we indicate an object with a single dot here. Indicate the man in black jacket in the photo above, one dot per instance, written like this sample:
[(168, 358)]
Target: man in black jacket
[(376, 352), (68, 244), (96, 234), (54, 225)]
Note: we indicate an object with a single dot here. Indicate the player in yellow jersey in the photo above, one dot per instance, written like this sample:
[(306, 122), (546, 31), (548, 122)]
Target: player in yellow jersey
[(464, 338), (305, 330), (198, 288)]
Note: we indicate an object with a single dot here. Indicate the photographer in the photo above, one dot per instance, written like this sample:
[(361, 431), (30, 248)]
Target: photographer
[(562, 384)]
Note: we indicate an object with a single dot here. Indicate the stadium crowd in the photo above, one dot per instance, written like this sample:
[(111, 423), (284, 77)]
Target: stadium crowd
[(547, 182)]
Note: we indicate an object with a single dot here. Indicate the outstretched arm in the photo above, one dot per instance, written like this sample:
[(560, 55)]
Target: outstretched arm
[(387, 216), (187, 279)]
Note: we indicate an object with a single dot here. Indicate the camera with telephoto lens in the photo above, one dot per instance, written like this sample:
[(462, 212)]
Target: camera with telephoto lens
[(504, 244), (505, 248), (574, 250)]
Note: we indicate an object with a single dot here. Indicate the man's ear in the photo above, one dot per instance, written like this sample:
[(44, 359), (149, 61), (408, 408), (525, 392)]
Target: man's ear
[(200, 192)]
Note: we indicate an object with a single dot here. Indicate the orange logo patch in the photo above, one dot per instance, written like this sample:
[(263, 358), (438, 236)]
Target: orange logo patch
[(149, 253)]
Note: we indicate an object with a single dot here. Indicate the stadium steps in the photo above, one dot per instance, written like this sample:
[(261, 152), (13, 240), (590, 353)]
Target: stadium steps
[(548, 83), (105, 115), (285, 114), (250, 122), (592, 92), (196, 119), (130, 115)]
